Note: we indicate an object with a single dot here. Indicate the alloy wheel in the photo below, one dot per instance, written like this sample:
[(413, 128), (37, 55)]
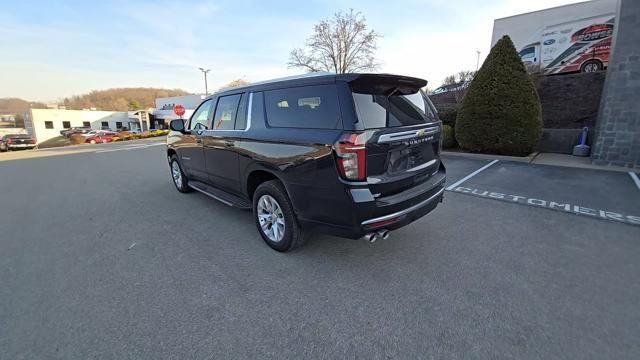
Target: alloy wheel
[(271, 218), (176, 174)]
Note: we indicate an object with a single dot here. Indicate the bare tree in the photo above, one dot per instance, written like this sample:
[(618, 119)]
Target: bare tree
[(450, 80), (458, 83), (235, 83), (341, 44), (461, 77)]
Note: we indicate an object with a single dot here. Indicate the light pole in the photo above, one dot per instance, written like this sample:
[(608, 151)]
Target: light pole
[(205, 72), (478, 61)]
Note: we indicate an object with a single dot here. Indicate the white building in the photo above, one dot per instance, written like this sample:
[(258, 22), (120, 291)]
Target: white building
[(44, 124), (163, 112), (526, 28)]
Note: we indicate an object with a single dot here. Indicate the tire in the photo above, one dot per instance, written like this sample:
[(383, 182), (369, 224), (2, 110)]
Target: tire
[(181, 185), (591, 66), (293, 235)]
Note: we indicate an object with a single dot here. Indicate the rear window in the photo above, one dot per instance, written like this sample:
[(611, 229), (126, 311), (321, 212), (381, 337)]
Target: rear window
[(381, 111), (310, 107)]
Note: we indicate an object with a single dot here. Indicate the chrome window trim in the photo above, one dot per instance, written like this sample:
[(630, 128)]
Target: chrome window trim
[(237, 130)]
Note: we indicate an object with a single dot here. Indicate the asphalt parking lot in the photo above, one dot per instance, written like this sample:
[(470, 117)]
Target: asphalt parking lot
[(100, 257)]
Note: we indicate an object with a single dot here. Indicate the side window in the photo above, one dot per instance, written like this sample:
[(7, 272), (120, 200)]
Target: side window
[(225, 116), (312, 107), (200, 119), (48, 124)]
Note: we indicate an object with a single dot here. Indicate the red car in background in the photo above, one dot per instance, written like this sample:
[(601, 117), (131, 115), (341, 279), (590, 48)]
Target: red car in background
[(100, 137)]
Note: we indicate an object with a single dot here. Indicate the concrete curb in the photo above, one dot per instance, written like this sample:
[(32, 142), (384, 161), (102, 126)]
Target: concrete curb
[(549, 159), (525, 159)]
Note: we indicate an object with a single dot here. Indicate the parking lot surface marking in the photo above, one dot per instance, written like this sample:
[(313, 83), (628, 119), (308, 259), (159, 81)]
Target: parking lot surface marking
[(129, 148), (552, 205), (473, 277), (459, 182), (635, 179)]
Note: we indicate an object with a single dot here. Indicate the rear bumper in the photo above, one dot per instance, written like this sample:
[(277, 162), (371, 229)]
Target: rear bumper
[(409, 212), (356, 218), (20, 146)]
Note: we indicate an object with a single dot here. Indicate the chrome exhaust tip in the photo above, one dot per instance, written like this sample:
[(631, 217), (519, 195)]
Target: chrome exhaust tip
[(383, 234), (371, 237)]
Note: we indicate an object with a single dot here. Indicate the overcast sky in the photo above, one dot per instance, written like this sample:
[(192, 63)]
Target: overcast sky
[(53, 49)]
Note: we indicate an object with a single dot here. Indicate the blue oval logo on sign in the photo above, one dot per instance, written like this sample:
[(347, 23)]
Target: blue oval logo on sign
[(549, 42)]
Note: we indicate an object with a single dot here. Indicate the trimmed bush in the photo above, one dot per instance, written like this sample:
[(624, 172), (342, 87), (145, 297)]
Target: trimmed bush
[(501, 113), (448, 138), (77, 139), (448, 115)]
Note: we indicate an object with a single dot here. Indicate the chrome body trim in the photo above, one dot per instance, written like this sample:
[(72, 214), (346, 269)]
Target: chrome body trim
[(406, 135), (425, 165), (405, 211)]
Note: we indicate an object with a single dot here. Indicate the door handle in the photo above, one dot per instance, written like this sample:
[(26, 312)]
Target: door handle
[(198, 140), (229, 143)]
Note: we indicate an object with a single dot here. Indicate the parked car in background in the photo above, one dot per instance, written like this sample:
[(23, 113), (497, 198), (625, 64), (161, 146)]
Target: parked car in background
[(100, 137), (16, 142), (353, 155), (451, 87), (74, 130), (98, 132)]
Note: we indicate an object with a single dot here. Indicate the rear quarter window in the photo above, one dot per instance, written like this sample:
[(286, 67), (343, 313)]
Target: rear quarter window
[(379, 111), (309, 107)]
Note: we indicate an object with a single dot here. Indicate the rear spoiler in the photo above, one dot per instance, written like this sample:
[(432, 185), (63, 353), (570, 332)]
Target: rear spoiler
[(382, 83)]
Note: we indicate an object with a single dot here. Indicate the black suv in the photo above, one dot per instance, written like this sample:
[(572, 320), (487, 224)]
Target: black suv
[(352, 155)]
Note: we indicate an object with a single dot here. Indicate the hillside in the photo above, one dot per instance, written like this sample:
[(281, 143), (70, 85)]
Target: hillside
[(17, 106), (121, 99)]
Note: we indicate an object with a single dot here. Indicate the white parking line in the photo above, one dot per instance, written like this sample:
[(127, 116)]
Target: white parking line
[(129, 148), (635, 179), (454, 185)]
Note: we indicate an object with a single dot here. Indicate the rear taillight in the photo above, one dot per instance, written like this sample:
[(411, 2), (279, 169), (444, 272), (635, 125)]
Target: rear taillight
[(351, 156), (9, 141)]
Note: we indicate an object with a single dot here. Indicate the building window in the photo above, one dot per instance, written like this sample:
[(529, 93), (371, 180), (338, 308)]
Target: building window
[(48, 124), (105, 125), (86, 123), (66, 124), (118, 124)]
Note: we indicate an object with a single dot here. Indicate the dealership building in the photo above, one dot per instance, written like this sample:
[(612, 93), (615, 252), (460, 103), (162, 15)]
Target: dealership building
[(45, 124)]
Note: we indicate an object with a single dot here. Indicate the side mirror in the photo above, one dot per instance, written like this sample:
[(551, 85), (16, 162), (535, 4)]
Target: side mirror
[(177, 125)]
